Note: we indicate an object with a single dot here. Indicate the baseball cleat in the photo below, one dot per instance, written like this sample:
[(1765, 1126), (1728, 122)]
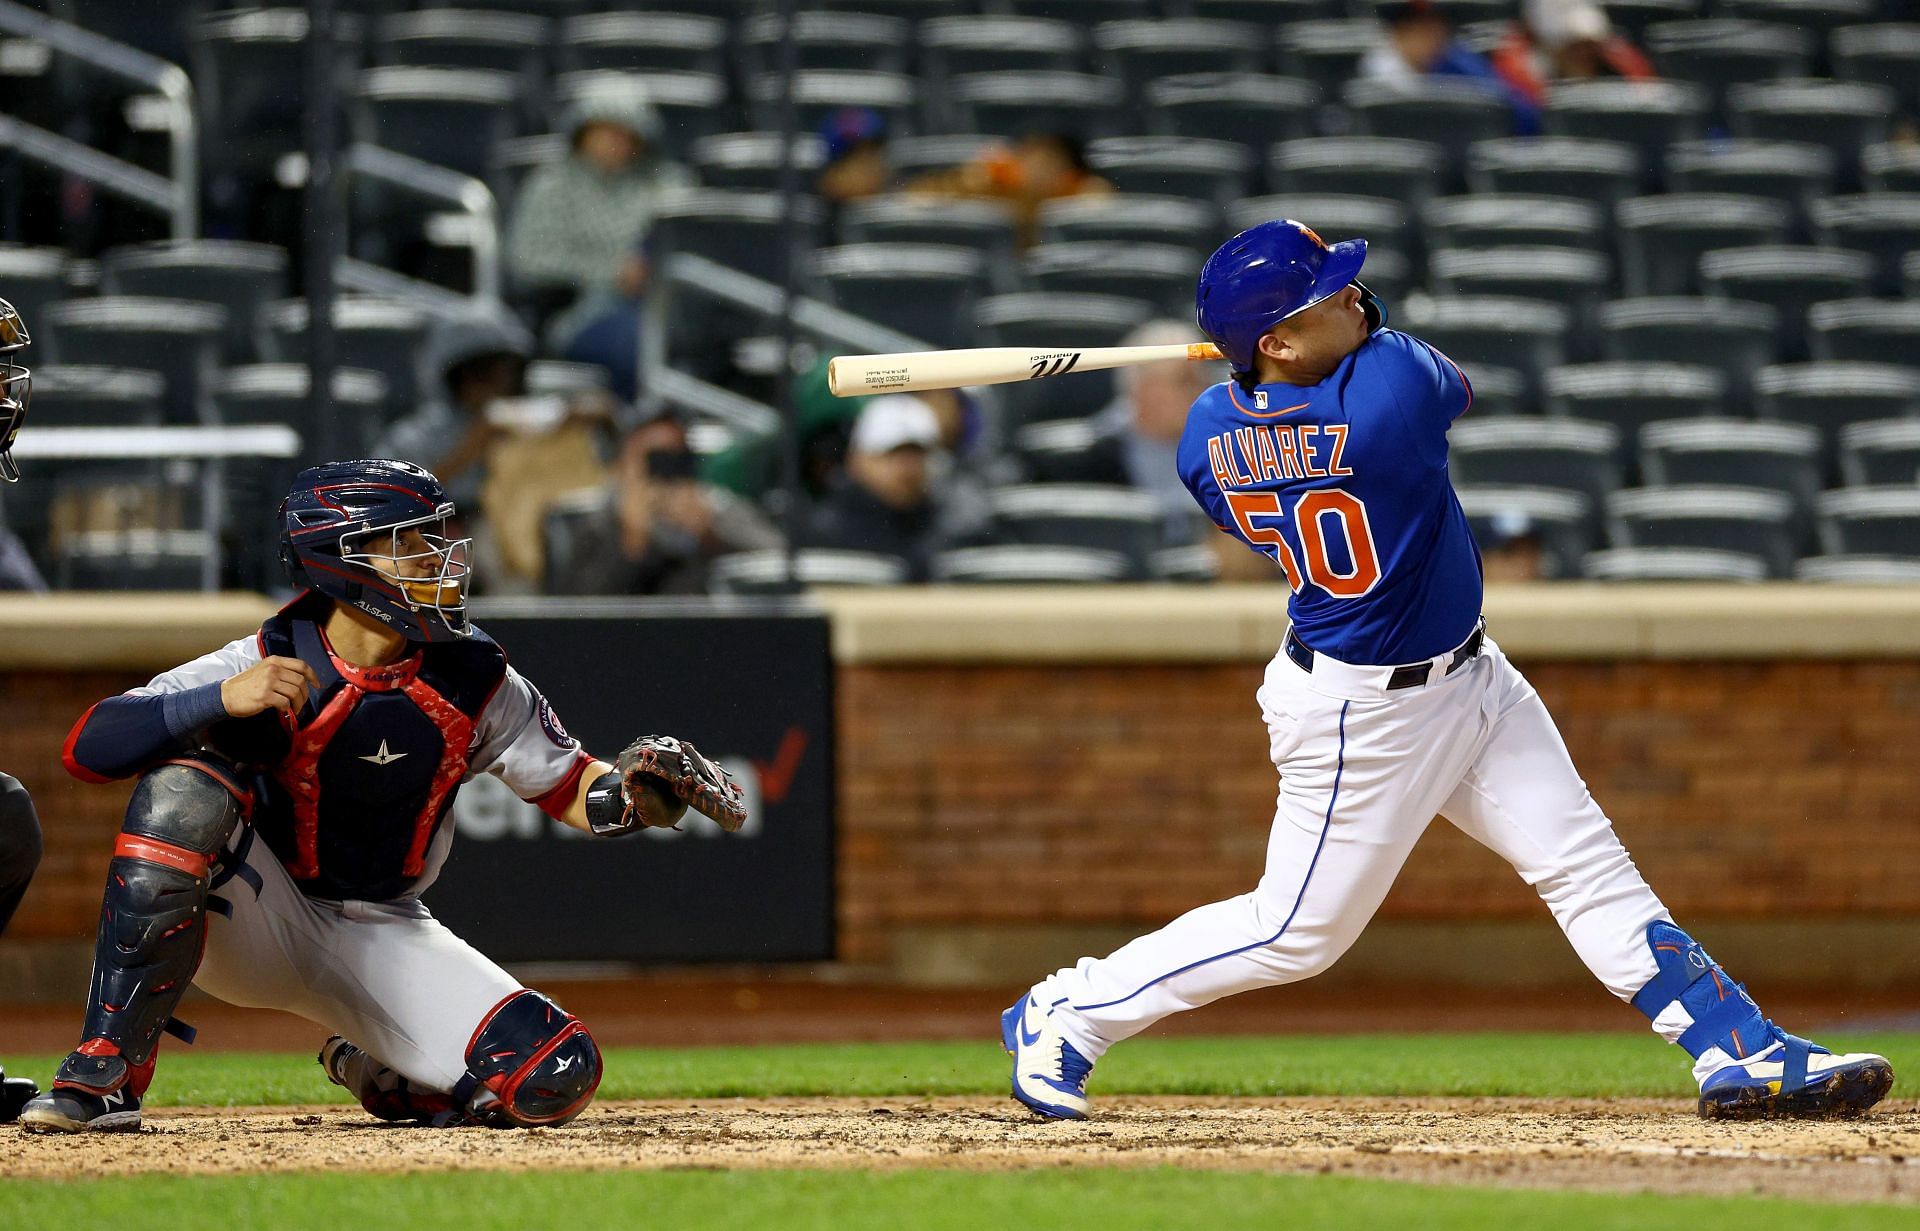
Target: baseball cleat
[(64, 1109), (15, 1093), (1049, 1074), (334, 1053), (1795, 1080)]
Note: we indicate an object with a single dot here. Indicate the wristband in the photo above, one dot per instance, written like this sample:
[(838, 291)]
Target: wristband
[(607, 812)]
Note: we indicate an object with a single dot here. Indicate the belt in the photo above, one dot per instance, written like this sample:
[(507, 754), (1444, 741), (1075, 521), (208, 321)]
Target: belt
[(1410, 676)]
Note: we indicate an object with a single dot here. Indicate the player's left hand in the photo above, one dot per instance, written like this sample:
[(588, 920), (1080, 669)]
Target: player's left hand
[(661, 777)]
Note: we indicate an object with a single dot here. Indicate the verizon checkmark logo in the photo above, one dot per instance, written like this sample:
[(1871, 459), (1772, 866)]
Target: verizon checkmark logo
[(776, 776)]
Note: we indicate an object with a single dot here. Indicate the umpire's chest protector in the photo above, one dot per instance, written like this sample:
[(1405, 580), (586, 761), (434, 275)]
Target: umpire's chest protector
[(351, 792)]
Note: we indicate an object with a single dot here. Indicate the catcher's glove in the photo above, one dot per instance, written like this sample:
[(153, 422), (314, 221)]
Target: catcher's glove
[(659, 778)]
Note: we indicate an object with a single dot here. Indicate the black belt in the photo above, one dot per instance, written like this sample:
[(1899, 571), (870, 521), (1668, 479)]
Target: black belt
[(1411, 676)]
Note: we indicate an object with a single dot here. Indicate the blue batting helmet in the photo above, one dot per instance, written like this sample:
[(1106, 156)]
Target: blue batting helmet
[(1267, 273), (341, 533)]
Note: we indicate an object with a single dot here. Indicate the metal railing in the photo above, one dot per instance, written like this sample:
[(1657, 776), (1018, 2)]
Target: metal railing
[(124, 62), (466, 194)]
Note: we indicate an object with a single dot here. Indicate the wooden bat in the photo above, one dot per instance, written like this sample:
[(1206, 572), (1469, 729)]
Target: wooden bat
[(858, 375)]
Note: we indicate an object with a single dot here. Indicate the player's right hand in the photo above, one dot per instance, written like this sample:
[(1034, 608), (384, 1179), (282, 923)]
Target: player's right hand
[(277, 683)]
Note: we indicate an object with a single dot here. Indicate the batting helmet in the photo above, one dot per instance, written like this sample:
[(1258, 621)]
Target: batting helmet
[(16, 386), (341, 533), (1267, 273)]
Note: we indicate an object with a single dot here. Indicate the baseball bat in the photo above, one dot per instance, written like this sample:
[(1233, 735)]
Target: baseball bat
[(857, 375)]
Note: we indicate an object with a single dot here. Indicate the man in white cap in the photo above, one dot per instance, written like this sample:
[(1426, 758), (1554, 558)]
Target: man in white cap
[(1565, 40), (884, 501)]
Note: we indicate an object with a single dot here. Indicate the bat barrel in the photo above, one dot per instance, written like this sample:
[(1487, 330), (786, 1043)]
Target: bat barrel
[(858, 375)]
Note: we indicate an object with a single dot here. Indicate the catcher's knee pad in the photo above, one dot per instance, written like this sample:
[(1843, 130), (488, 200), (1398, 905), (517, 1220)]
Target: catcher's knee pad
[(153, 916), (1712, 1010), (20, 845), (530, 1063)]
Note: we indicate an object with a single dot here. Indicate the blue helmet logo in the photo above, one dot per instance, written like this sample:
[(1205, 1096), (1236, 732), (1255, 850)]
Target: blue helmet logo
[(1265, 274)]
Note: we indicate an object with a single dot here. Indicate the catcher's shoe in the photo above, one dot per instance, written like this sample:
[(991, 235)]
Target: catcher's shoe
[(1049, 1073), (15, 1093), (65, 1109), (1793, 1079), (334, 1053)]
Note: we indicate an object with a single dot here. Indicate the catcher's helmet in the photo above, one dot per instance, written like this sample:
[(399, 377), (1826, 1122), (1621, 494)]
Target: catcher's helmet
[(16, 386), (1267, 273), (344, 521)]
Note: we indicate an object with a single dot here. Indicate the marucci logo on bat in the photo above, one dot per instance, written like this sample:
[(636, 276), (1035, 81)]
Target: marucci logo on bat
[(1054, 364)]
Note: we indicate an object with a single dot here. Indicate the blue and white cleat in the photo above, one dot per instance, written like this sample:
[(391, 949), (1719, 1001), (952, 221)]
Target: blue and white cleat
[(1049, 1074), (1793, 1079)]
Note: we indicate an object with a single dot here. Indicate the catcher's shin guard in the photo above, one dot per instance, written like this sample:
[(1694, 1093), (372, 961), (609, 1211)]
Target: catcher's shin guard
[(530, 1063), (152, 924)]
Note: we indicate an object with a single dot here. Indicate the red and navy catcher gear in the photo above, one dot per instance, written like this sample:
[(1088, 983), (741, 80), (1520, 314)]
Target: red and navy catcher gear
[(1267, 273), (530, 1063), (16, 387), (341, 516)]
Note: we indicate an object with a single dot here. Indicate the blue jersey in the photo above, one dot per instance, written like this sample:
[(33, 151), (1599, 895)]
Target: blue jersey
[(1344, 483)]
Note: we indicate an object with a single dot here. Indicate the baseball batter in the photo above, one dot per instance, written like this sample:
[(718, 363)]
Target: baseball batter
[(1388, 703), (19, 825), (292, 805)]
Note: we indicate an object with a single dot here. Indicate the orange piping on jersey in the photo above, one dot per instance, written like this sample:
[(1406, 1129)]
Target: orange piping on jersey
[(1263, 414), (1464, 382)]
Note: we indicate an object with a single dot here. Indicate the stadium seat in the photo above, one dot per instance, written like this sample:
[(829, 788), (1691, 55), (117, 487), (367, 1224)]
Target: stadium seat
[(1386, 225), (1450, 112), (1562, 520), (643, 42), (450, 117), (1496, 220), (1630, 394), (1634, 17), (1326, 52), (1212, 171), (1123, 520), (1792, 172), (751, 161), (1136, 217), (1529, 451), (382, 335), (1011, 104), (691, 105), (1268, 14), (1885, 55), (1910, 275), (1859, 570), (176, 338), (985, 227), (33, 279), (1885, 225), (1891, 167), (1721, 52), (1819, 16), (1016, 564), (1875, 330), (1739, 519), (1663, 238), (818, 92), (912, 157), (1790, 279), (1733, 338), (830, 40), (1830, 396), (1573, 277), (1389, 168), (1672, 564), (1871, 521), (1064, 322), (1081, 12), (1139, 52), (1063, 451), (241, 278), (742, 230), (1844, 116), (951, 47), (1525, 335), (765, 572), (1247, 108), (249, 75), (133, 560), (513, 43), (80, 395), (1782, 457), (1496, 390), (1589, 168), (926, 291), (1647, 115), (1881, 451), (277, 393), (1187, 565), (1159, 275)]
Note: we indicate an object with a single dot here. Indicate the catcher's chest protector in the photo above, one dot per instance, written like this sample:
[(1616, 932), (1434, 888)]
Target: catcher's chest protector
[(352, 796)]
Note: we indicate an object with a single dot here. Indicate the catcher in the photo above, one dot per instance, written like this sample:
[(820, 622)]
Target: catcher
[(292, 806)]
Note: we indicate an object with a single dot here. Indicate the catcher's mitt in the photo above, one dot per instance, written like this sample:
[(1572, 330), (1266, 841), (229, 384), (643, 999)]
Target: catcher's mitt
[(661, 777)]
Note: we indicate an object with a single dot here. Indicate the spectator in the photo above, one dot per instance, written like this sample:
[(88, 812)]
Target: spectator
[(885, 501), (1564, 40), (656, 527), (479, 358), (1039, 167), (855, 163), (1511, 549), (1138, 432), (580, 229), (1420, 43)]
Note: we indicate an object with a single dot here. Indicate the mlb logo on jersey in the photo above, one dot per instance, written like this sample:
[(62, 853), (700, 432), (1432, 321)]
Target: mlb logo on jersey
[(1259, 399)]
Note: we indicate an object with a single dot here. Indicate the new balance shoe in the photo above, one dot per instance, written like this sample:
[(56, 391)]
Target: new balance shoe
[(1794, 1079), (67, 1109), (1049, 1074)]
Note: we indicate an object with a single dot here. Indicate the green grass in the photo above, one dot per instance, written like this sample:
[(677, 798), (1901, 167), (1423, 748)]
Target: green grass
[(1542, 1065), (848, 1201)]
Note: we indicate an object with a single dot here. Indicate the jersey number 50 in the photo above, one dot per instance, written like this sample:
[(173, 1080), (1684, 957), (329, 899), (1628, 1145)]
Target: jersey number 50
[(1314, 515)]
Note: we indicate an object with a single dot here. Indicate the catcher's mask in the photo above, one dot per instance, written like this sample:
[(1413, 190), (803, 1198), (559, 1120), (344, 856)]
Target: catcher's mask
[(16, 386), (377, 535)]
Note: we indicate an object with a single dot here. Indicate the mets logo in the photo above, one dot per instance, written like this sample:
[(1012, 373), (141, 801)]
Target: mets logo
[(1053, 365), (1307, 231)]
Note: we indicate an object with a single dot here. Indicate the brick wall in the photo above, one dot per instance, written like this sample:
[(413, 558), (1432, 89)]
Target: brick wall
[(1004, 797)]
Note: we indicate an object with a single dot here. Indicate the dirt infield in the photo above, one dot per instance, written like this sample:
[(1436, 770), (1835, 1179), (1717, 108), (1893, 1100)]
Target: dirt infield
[(1612, 1145)]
